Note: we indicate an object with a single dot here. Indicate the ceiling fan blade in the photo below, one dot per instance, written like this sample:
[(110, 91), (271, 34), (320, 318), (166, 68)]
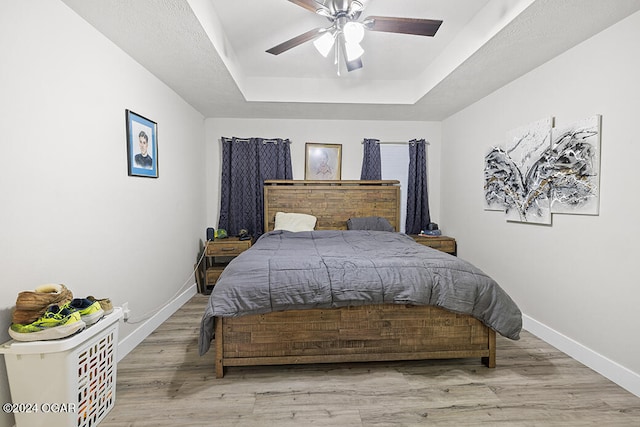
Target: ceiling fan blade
[(419, 27), (311, 5), (296, 41)]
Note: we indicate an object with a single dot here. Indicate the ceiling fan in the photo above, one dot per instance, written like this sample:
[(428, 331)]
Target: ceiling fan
[(347, 31)]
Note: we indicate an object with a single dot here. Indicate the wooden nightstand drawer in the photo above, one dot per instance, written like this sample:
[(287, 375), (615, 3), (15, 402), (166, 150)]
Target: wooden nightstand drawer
[(227, 247), (441, 243), (213, 273)]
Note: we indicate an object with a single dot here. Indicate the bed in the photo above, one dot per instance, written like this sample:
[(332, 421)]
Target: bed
[(331, 295)]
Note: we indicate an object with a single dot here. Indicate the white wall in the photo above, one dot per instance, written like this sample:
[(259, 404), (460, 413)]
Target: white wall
[(576, 279), (346, 132), (70, 214)]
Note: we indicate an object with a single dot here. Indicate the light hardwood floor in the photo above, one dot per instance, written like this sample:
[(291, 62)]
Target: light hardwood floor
[(163, 382)]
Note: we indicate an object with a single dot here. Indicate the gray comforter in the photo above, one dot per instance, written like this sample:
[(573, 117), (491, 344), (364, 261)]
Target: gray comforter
[(331, 268)]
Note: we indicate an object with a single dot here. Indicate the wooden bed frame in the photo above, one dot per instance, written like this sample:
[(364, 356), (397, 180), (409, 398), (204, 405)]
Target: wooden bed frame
[(349, 334)]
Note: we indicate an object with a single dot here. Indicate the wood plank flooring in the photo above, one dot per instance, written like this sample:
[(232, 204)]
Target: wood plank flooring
[(163, 382)]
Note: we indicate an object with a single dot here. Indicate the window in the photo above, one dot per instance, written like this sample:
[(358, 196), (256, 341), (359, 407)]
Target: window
[(395, 165)]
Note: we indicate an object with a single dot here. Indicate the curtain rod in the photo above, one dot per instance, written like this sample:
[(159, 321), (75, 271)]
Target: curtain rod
[(398, 143), (264, 140)]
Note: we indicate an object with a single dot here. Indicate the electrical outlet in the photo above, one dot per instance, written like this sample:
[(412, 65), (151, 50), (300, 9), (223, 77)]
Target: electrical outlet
[(125, 310)]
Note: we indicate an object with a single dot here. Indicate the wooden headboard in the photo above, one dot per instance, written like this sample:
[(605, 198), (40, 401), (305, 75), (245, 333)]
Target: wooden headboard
[(332, 202)]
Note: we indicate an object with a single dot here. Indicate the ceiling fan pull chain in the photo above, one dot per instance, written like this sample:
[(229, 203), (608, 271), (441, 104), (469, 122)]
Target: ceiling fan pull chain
[(337, 60)]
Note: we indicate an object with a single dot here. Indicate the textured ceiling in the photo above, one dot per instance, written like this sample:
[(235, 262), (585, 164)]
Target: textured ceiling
[(211, 52)]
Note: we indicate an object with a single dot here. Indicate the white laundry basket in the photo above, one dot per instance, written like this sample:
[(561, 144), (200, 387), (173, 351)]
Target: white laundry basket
[(69, 382)]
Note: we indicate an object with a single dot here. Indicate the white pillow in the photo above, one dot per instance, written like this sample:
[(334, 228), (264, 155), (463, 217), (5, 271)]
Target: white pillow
[(294, 222)]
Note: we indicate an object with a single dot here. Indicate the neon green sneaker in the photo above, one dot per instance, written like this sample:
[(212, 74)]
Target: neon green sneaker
[(55, 323), (90, 311)]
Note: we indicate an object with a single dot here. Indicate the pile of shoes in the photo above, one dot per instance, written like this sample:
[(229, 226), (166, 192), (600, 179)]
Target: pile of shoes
[(50, 312)]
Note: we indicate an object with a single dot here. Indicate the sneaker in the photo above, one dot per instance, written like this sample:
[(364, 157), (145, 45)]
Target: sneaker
[(54, 324), (105, 304), (31, 305), (90, 312)]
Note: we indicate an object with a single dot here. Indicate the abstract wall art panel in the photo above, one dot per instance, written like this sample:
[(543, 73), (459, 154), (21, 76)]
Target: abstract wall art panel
[(543, 170), (512, 175), (575, 156), (496, 173)]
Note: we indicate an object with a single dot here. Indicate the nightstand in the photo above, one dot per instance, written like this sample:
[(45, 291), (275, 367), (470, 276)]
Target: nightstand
[(441, 243), (219, 253)]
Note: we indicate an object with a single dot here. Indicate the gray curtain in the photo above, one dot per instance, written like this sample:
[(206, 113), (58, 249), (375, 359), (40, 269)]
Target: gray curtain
[(417, 198), (246, 164), (371, 165)]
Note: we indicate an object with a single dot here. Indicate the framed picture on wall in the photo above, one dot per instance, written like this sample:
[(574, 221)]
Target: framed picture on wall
[(323, 161), (142, 145)]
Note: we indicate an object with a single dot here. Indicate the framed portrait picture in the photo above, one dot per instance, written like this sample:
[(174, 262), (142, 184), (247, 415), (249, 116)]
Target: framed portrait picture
[(323, 161), (142, 145)]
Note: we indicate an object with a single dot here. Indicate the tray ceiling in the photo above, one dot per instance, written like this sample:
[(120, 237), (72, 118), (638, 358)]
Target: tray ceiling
[(212, 53)]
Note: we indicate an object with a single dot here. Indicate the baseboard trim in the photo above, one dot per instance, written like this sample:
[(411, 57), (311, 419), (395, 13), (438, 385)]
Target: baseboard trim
[(615, 372), (132, 340)]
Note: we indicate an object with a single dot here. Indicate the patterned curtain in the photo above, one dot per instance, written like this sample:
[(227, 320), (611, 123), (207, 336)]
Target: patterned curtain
[(371, 165), (417, 198), (246, 164)]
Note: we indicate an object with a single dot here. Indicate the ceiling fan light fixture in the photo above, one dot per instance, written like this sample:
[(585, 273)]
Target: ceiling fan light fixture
[(325, 12), (324, 43), (353, 32), (353, 50), (355, 6)]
